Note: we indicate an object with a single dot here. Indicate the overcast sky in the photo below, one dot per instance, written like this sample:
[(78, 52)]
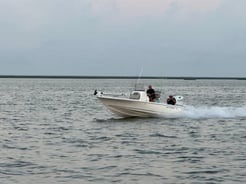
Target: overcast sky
[(123, 37)]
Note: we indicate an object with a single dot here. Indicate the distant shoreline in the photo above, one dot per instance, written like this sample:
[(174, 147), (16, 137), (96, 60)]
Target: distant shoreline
[(117, 77)]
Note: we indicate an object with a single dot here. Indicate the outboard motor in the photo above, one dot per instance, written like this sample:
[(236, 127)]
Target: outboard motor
[(179, 100)]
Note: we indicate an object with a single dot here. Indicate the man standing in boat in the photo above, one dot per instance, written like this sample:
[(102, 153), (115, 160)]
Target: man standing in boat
[(151, 94)]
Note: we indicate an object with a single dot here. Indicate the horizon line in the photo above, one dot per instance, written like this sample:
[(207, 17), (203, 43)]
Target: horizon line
[(118, 77)]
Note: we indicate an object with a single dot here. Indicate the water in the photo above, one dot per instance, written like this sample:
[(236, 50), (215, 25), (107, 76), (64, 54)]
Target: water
[(56, 131)]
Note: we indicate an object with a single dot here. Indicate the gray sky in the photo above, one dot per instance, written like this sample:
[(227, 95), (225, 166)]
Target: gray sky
[(123, 37)]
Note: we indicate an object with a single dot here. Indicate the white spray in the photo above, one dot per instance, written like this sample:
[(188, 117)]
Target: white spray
[(204, 112)]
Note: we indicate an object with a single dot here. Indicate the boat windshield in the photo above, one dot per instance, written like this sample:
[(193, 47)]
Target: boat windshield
[(135, 95)]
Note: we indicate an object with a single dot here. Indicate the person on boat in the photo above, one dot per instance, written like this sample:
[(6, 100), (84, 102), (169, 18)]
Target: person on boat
[(151, 94), (171, 100)]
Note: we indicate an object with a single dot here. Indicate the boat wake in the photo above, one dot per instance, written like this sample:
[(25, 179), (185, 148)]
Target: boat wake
[(206, 112), (191, 112)]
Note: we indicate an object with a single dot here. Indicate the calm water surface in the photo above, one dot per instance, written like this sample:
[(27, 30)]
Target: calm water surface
[(56, 131)]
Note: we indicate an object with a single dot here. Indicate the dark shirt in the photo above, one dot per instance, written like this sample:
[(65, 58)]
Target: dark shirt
[(151, 91), (151, 94), (171, 101)]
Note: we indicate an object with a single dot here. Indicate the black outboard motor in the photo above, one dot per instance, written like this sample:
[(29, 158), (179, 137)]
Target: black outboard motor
[(95, 92)]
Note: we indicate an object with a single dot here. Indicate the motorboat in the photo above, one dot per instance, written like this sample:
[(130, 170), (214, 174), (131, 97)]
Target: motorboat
[(137, 104)]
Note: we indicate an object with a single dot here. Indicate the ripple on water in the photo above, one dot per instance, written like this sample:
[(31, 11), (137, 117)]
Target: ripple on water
[(52, 131)]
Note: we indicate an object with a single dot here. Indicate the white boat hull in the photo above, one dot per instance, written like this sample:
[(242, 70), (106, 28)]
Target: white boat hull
[(134, 108)]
